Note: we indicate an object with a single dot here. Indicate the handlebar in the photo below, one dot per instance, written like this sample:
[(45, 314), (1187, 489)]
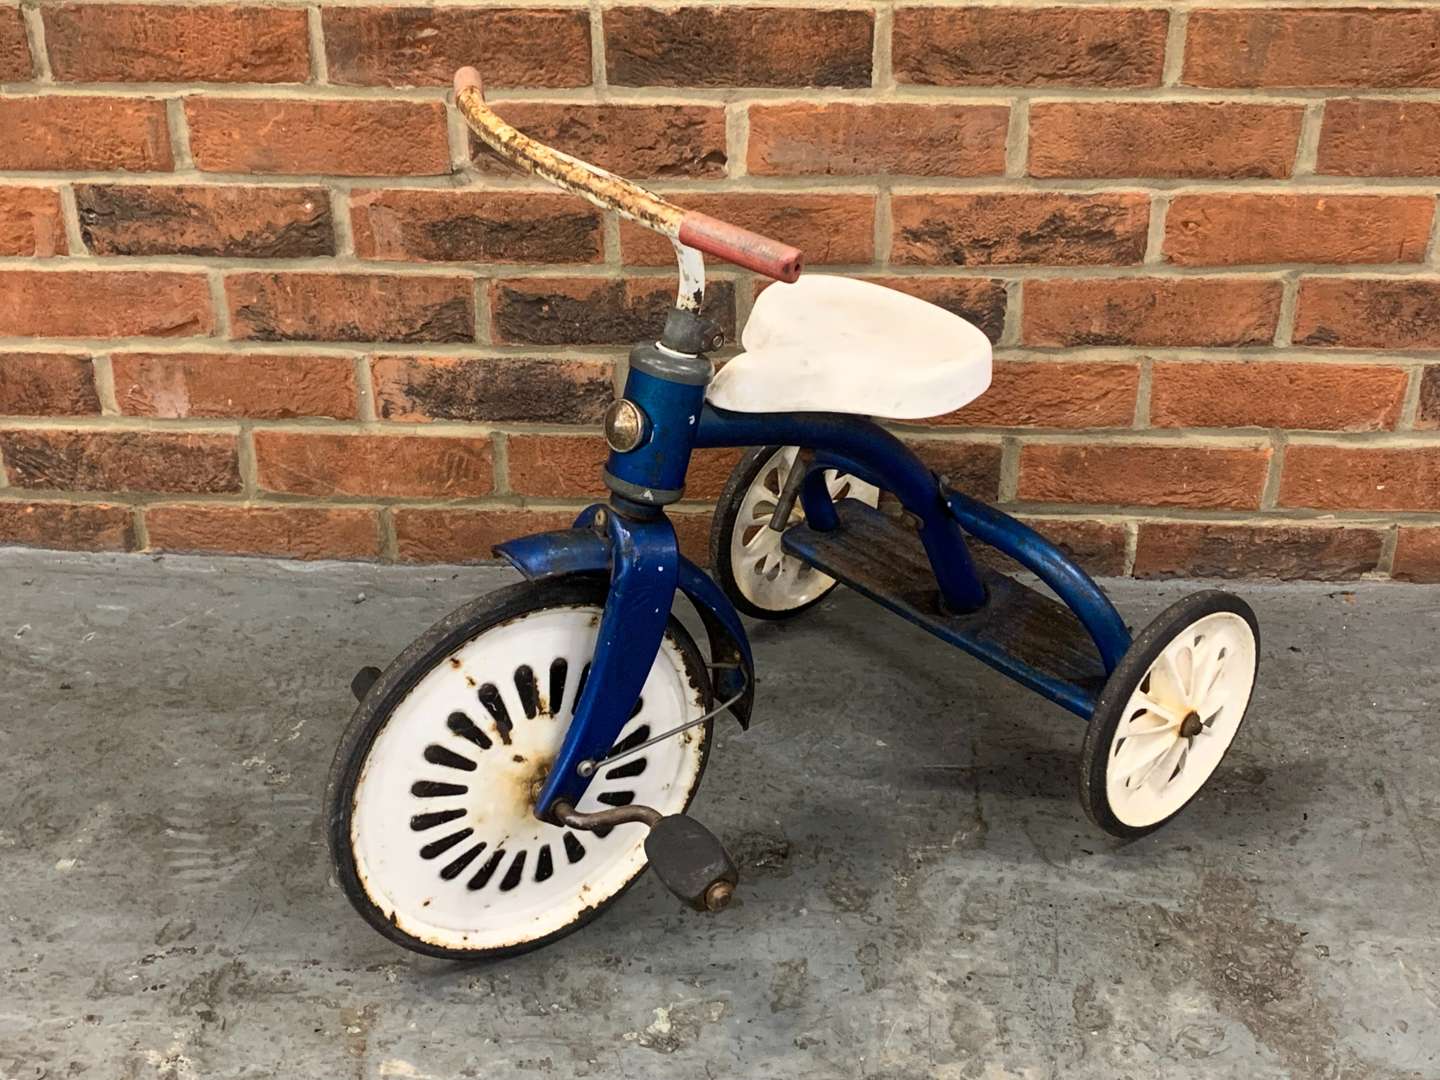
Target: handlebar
[(700, 231)]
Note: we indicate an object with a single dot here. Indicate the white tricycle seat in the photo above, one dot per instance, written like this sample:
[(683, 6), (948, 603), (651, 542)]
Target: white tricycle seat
[(833, 344)]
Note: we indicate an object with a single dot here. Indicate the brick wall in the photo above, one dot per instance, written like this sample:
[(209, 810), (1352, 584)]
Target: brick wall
[(257, 295)]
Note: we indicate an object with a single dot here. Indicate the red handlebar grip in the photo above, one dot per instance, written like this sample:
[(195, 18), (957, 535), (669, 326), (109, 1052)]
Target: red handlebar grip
[(741, 246), (467, 78)]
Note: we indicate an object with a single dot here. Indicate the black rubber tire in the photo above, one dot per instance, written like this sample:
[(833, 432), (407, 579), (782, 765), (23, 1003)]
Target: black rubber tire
[(395, 683), (1110, 707), (722, 529)]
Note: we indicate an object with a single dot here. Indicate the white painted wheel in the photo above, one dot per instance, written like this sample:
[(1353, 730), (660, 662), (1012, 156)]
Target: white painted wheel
[(754, 569), (1183, 690), (441, 840)]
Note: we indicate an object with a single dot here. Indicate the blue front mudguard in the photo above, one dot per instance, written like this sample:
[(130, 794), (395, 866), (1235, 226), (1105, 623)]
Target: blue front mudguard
[(642, 548)]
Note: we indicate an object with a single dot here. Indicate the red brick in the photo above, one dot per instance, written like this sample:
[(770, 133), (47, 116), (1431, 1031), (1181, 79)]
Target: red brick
[(1298, 47), (184, 219), (569, 466), (339, 138), (121, 461), (637, 141), (737, 46), (827, 228), (103, 304), (350, 307), (993, 46), (1380, 138), (1429, 416), (422, 46), (1053, 395), (79, 134), (72, 526), (466, 536), (971, 467), (387, 466), (518, 390), (1230, 230), (1163, 138), (1369, 313), (154, 43), (978, 300), (47, 384), (1136, 475), (30, 222), (1205, 550), (839, 139), (1417, 555), (1315, 397), (1361, 478), (475, 226), (1020, 227), (1098, 546), (594, 310), (178, 385), (294, 532), (1151, 311), (14, 48)]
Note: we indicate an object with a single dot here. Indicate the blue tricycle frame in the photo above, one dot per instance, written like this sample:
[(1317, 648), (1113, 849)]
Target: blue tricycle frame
[(1064, 653)]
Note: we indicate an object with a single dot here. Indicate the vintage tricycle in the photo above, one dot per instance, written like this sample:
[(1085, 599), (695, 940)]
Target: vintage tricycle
[(518, 766)]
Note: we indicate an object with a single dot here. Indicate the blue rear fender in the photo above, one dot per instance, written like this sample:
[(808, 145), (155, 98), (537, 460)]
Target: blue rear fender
[(581, 549)]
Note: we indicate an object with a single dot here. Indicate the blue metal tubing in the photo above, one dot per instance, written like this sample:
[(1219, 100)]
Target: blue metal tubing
[(645, 564), (658, 465), (1047, 562), (867, 450)]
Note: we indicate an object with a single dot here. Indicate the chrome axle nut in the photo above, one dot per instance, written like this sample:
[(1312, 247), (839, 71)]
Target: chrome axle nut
[(624, 426)]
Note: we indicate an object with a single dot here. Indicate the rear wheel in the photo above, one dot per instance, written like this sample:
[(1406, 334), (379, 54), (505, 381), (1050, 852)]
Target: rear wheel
[(750, 565), (432, 794), (1169, 712)]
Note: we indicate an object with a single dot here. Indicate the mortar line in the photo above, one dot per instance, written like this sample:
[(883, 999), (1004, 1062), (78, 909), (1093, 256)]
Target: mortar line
[(1270, 492), (104, 372), (179, 131), (364, 389), (342, 227), (1017, 139), (1410, 401), (737, 139), (599, 77), (215, 279), (1007, 490), (1132, 547), (388, 536), (1432, 257), (70, 220), (1143, 390), (34, 21), (249, 467), (1014, 313), (315, 40), (1289, 303), (1307, 149), (882, 74), (484, 312), (1389, 541), (1155, 233), (500, 455), (884, 236), (1174, 64), (140, 527)]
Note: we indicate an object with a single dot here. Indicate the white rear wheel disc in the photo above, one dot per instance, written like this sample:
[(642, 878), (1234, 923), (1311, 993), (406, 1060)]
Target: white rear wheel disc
[(443, 832), (763, 572), (1180, 719)]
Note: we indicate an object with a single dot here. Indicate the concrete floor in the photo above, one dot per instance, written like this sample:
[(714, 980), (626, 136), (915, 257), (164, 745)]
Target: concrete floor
[(922, 895)]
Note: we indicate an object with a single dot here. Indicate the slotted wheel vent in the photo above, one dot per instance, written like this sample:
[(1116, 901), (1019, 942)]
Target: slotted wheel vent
[(609, 790)]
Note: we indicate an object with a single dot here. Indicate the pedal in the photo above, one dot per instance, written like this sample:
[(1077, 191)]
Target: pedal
[(692, 862), (685, 855), (363, 680)]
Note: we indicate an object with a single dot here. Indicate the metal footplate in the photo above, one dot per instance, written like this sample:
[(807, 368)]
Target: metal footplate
[(1020, 631)]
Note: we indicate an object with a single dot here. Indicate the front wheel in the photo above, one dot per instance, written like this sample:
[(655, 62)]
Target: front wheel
[(431, 800), (1169, 712)]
